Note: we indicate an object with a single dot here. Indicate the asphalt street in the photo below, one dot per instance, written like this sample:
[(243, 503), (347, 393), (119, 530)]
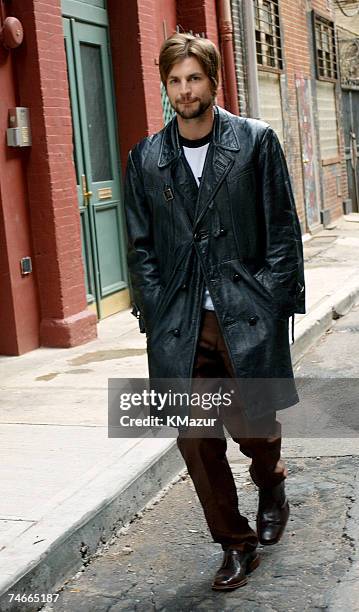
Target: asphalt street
[(165, 560)]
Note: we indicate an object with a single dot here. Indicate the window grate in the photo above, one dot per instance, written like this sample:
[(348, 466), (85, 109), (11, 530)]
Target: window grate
[(268, 34), (325, 48)]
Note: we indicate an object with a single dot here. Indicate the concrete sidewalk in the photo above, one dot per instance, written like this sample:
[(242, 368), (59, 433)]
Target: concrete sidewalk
[(65, 486)]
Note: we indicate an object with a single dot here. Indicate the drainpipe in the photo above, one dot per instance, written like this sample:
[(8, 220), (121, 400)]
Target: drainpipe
[(250, 46), (229, 70)]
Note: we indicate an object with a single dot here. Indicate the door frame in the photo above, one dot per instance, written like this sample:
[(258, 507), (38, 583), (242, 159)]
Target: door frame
[(81, 11), (110, 301)]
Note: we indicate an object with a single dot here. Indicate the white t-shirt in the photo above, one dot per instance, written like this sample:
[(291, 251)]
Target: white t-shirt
[(196, 156)]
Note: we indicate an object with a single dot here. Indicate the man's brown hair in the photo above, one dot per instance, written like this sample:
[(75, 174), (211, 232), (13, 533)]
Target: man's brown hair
[(181, 45)]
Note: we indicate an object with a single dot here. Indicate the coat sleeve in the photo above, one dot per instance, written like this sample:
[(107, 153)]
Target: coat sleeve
[(141, 257), (284, 250)]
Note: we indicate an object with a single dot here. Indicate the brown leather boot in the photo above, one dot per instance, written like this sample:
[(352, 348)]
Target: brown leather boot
[(234, 569), (273, 514)]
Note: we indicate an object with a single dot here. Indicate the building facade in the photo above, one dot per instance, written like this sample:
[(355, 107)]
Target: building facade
[(347, 22), (294, 68), (87, 71)]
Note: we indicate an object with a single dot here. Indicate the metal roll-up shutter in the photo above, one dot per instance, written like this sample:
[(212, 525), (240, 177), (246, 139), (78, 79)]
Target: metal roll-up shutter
[(270, 102)]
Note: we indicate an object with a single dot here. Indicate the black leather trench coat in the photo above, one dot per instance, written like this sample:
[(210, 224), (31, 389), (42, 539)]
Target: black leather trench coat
[(238, 234)]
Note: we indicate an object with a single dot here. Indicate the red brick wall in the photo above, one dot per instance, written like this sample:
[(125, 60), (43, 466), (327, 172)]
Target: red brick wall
[(297, 62), (55, 223), (128, 74), (147, 18), (200, 16), (135, 48), (166, 10), (332, 200)]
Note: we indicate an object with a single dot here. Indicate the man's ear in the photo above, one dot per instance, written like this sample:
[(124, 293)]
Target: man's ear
[(214, 89)]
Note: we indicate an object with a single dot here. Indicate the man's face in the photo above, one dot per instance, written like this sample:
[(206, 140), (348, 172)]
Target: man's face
[(189, 89)]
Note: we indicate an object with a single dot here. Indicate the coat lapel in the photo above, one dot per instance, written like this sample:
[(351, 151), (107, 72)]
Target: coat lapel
[(220, 159), (218, 164)]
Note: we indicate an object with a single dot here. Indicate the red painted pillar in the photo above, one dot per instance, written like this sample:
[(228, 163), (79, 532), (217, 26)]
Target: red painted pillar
[(227, 49), (55, 221), (129, 87), (135, 51), (19, 314)]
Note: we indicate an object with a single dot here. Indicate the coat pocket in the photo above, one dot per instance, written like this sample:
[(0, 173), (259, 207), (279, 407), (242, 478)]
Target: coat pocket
[(281, 296), (167, 297), (261, 278), (267, 294)]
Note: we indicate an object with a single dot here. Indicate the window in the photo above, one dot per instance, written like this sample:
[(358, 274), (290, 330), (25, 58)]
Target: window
[(268, 40), (325, 50), (349, 61)]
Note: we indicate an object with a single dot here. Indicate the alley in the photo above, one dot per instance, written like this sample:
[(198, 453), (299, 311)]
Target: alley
[(165, 559)]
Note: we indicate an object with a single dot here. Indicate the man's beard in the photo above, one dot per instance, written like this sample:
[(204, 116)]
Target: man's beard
[(190, 113)]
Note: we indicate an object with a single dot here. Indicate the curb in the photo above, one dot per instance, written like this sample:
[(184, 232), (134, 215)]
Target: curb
[(321, 319), (62, 557)]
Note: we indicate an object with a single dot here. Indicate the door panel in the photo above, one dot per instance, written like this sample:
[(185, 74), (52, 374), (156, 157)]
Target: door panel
[(308, 149), (351, 140), (109, 257)]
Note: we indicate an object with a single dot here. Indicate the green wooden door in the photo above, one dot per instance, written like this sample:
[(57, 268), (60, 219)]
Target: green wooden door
[(97, 165)]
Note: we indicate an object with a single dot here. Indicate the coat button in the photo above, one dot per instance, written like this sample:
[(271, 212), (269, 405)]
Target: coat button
[(236, 277), (176, 332), (252, 320), (220, 232), (184, 286)]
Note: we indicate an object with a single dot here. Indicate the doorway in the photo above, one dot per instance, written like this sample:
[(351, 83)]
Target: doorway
[(351, 142), (97, 164)]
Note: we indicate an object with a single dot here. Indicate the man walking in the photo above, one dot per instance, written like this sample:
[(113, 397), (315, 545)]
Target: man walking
[(216, 265)]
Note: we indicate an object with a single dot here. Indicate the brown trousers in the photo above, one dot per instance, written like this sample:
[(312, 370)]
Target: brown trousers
[(206, 459)]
